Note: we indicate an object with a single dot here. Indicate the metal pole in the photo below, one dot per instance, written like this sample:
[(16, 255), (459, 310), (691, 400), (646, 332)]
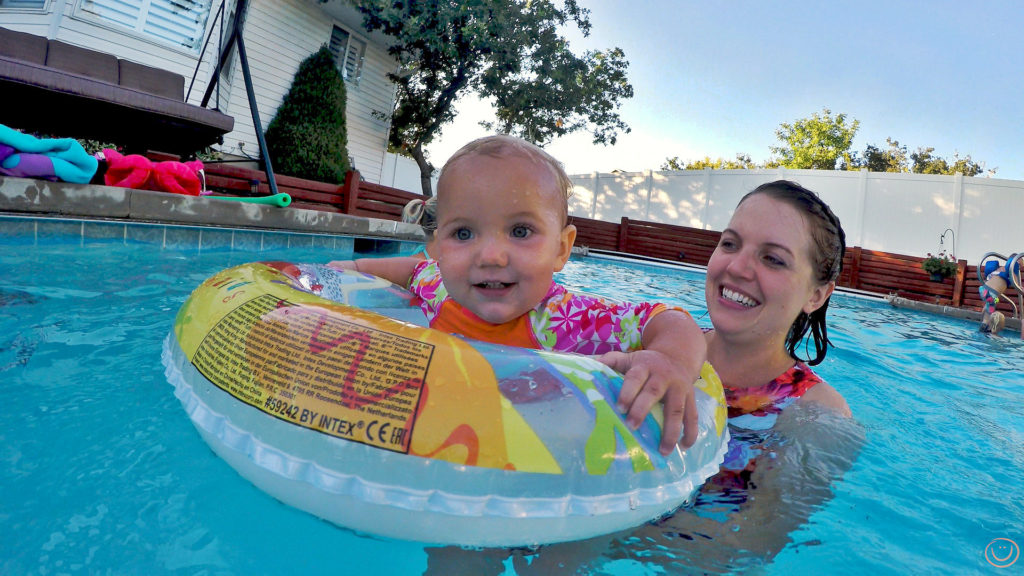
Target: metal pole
[(264, 155)]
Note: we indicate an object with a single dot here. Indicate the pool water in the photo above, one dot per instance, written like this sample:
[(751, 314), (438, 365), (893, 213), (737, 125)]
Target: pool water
[(102, 472)]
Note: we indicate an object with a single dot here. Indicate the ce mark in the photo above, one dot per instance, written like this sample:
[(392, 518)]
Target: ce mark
[(381, 431)]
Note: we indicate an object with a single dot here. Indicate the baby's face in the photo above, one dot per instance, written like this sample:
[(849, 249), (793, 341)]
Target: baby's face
[(500, 235)]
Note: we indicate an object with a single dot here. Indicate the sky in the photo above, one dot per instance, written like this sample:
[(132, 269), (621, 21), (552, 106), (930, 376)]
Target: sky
[(718, 78)]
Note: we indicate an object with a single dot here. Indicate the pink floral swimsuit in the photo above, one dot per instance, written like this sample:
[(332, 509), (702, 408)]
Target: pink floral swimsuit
[(562, 321), (752, 416)]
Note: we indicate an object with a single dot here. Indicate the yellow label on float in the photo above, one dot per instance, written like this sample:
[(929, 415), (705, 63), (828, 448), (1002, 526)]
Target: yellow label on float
[(314, 369)]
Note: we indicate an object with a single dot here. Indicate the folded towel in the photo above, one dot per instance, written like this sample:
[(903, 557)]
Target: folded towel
[(26, 156)]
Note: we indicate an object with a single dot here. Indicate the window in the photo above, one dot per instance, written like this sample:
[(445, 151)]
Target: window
[(227, 72), (348, 54), (23, 4), (176, 22)]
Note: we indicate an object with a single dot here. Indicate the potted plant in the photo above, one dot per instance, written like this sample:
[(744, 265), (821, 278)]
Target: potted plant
[(940, 266)]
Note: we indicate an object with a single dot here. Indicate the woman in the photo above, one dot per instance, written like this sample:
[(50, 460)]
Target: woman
[(768, 285), (767, 289)]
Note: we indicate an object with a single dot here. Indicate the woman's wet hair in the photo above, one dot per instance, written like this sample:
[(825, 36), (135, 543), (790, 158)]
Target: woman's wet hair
[(829, 245)]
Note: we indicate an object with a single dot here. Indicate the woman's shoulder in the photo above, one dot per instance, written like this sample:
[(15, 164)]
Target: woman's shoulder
[(825, 395)]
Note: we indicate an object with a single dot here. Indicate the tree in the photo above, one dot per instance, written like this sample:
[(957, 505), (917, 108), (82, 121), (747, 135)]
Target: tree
[(926, 163), (894, 159), (818, 142), (307, 137), (509, 51), (742, 162)]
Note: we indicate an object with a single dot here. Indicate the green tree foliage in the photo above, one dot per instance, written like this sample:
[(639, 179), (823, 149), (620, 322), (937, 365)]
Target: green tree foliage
[(893, 159), (742, 162), (926, 163), (823, 141), (307, 138), (819, 142), (507, 51)]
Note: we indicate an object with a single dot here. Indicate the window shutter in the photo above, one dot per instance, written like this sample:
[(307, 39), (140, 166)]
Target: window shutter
[(348, 54), (176, 22)]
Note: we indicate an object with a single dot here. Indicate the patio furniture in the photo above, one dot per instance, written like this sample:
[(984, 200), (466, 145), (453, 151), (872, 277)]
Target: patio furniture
[(59, 89)]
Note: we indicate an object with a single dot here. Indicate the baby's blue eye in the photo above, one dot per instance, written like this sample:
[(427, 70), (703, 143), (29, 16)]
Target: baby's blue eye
[(463, 234), (520, 231)]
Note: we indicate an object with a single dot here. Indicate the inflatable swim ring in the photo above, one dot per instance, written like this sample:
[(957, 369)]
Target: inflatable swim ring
[(298, 378)]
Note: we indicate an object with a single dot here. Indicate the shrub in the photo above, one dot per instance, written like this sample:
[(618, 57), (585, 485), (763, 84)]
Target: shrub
[(307, 138)]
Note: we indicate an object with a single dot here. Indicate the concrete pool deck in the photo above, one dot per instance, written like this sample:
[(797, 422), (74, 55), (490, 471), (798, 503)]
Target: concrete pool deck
[(44, 199), (24, 197)]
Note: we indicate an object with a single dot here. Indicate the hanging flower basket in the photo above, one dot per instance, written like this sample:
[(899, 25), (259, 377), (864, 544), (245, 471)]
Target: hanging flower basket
[(939, 266)]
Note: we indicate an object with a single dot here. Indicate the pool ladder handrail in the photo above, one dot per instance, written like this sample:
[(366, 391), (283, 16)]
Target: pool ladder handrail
[(1015, 279)]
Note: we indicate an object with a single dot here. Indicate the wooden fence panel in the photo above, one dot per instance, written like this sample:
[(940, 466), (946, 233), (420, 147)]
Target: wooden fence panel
[(376, 201), (886, 273), (596, 234), (670, 242)]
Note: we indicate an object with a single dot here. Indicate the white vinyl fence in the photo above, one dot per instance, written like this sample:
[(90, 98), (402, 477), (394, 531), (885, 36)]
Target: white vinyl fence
[(899, 213)]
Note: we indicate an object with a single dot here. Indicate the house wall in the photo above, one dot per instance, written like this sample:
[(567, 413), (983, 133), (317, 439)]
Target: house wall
[(279, 35), (899, 213)]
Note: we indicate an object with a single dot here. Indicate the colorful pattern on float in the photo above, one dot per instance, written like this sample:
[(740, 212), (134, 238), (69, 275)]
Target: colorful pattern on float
[(305, 347)]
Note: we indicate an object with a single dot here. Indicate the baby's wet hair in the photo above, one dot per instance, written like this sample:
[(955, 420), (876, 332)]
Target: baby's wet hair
[(503, 145)]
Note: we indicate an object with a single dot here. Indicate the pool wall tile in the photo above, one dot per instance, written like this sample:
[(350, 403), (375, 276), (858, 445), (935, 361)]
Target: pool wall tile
[(275, 241), (215, 239), (151, 234), (59, 231), (18, 230), (247, 240), (103, 232), (181, 238), (300, 241)]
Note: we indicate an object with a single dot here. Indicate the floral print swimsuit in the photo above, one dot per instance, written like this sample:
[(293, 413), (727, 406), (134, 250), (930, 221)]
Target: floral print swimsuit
[(752, 415), (563, 321)]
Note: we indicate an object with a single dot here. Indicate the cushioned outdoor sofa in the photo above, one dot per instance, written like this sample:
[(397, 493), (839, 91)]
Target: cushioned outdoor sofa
[(59, 89)]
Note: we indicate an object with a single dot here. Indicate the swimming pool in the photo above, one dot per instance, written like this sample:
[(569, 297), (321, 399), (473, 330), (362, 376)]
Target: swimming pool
[(102, 471)]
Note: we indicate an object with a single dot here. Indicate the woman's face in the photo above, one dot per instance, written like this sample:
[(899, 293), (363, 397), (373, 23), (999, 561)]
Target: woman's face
[(761, 275)]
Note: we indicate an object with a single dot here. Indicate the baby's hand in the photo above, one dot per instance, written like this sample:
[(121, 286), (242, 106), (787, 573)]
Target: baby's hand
[(650, 376)]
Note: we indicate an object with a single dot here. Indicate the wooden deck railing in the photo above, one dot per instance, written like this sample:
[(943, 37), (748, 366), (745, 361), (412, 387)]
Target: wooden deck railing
[(354, 197), (868, 270)]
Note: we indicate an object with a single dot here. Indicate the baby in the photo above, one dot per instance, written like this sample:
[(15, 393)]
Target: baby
[(502, 232), (997, 279)]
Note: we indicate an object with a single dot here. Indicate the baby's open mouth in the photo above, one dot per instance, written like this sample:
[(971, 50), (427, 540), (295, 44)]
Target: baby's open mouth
[(493, 285)]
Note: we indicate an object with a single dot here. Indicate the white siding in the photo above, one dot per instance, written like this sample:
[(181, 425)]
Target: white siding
[(279, 35), (29, 20)]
